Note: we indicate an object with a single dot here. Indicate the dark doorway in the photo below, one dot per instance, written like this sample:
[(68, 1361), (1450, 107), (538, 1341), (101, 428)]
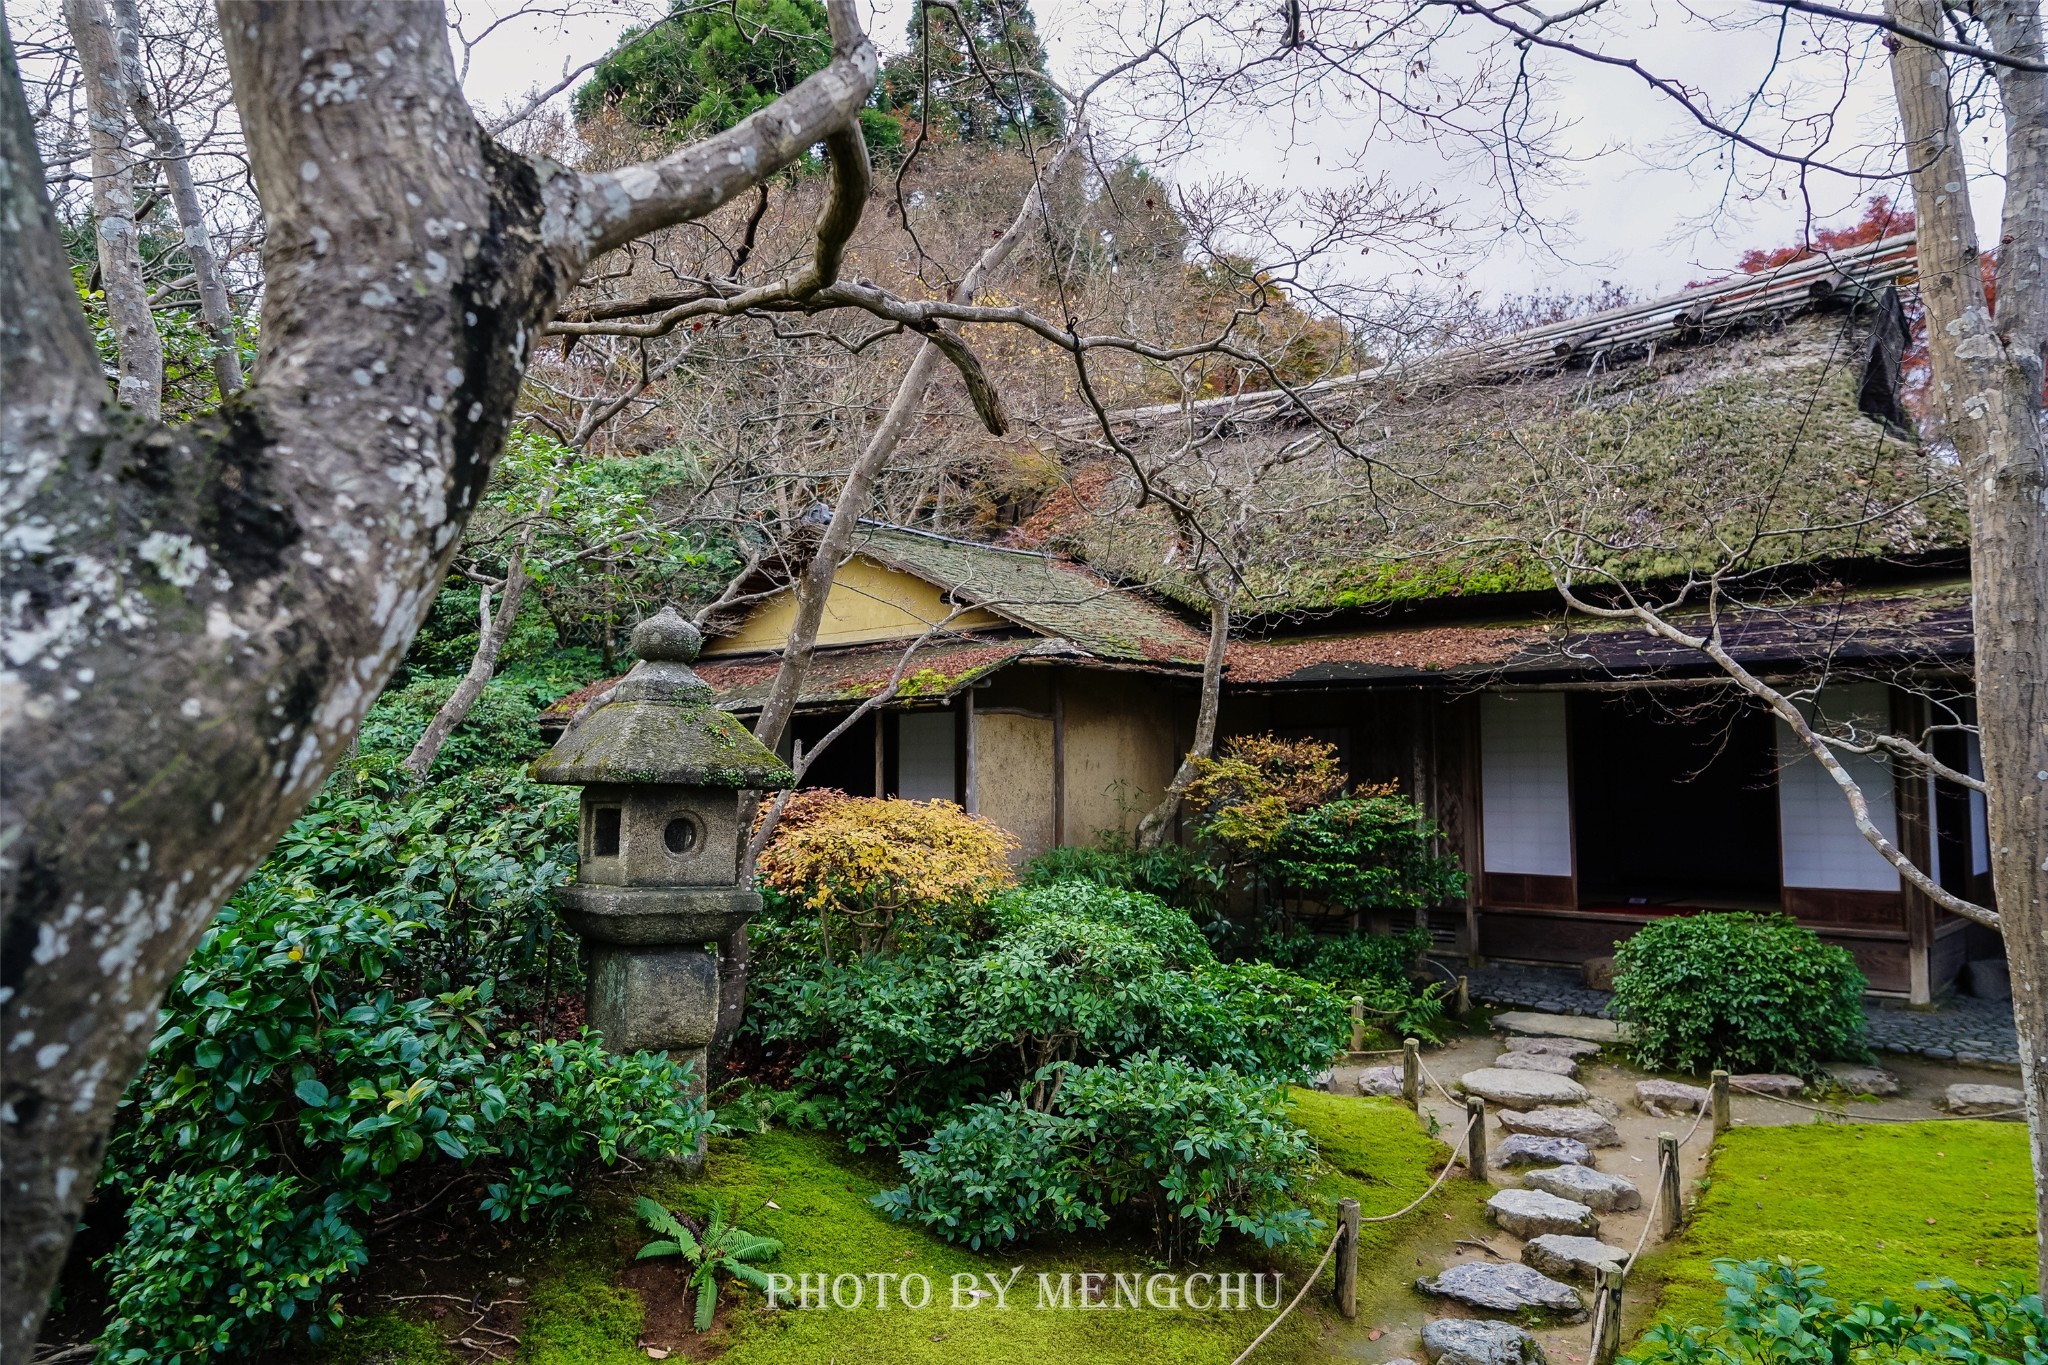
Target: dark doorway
[(1674, 800), (849, 764)]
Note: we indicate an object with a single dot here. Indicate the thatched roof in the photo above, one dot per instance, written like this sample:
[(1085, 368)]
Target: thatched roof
[(1647, 442)]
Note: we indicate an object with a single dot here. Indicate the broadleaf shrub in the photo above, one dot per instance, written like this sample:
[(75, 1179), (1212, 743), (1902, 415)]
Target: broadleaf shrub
[(1778, 1313), (1739, 991), (875, 871), (1198, 1150)]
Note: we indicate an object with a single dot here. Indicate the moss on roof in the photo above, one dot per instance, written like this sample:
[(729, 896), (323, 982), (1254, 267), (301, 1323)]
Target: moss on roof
[(1044, 593), (1650, 469)]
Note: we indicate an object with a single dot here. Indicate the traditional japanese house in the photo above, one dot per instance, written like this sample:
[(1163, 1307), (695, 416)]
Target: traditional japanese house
[(1592, 775)]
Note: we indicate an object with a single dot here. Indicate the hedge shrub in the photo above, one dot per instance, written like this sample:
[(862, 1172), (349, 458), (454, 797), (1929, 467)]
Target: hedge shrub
[(1744, 992)]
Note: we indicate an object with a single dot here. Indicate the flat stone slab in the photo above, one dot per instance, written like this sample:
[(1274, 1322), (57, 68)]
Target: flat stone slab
[(1380, 1080), (1556, 1047), (1526, 1149), (1668, 1098), (1579, 1026), (1531, 1213), (1865, 1080), (1580, 1125), (1506, 1288), (1469, 1341), (1544, 1062), (1571, 1258), (1521, 1089), (1982, 1099), (1597, 1190), (1769, 1083)]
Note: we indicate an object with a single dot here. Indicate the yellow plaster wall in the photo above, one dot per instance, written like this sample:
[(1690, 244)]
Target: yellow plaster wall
[(1124, 735), (868, 602), (1013, 777)]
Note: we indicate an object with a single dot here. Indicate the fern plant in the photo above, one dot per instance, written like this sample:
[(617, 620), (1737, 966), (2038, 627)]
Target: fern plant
[(722, 1247)]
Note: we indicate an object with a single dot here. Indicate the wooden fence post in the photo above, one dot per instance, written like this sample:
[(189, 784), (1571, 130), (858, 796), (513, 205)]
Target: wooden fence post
[(1411, 1073), (1347, 1257), (1475, 1137), (1358, 1023), (1667, 1161), (1720, 1084), (1607, 1316), (1464, 1002)]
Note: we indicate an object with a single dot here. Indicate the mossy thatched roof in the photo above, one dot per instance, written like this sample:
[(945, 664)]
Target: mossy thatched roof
[(1752, 446)]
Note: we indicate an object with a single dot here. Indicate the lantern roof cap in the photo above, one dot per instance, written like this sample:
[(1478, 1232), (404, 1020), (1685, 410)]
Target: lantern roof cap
[(658, 726)]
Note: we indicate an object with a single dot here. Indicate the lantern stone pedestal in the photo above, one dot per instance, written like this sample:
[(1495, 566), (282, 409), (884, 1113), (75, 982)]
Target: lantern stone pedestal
[(658, 850)]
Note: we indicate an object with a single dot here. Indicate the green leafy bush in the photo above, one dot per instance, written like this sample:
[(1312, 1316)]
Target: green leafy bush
[(1741, 991), (1372, 851), (1776, 1313), (893, 1046), (1374, 967), (1199, 1151), (291, 1082), (1178, 875)]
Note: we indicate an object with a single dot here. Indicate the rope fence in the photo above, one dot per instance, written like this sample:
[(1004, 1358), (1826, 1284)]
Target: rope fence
[(1845, 1116)]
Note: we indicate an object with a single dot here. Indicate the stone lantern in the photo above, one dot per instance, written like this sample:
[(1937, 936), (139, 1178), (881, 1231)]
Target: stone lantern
[(659, 843)]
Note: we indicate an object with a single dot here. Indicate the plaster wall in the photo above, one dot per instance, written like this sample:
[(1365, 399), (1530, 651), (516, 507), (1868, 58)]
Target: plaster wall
[(868, 602)]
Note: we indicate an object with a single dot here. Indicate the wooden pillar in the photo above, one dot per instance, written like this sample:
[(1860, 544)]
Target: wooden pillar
[(970, 798), (1411, 1073), (1720, 1084), (1358, 1023), (1059, 760), (881, 754), (1347, 1258), (1475, 1137), (1667, 1173), (1607, 1316), (1916, 841)]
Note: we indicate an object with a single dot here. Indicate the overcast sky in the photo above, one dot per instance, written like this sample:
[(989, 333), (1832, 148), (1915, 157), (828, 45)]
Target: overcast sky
[(1636, 209)]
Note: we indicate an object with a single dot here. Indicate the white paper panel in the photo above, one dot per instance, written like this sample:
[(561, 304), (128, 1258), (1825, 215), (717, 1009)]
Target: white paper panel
[(1525, 784), (924, 756), (1822, 846)]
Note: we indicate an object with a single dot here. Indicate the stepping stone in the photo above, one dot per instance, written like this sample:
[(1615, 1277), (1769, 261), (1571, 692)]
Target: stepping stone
[(1560, 1026), (1580, 1125), (1531, 1213), (1526, 1149), (1323, 1079), (1604, 1107), (1982, 1099), (1538, 1061), (1380, 1080), (1521, 1089), (1571, 1258), (1468, 1341), (1668, 1098), (1769, 1083), (1865, 1080), (1506, 1288), (1597, 1190), (1556, 1047)]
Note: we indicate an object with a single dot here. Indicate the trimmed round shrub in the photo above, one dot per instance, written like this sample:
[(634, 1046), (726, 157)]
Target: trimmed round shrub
[(1743, 992)]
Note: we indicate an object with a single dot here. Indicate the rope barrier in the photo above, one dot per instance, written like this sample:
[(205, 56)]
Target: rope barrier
[(1299, 1294), (1845, 1116), (1331, 1250)]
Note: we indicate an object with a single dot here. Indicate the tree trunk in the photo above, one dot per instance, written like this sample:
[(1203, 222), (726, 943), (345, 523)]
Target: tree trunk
[(815, 583), (492, 632), (204, 612), (140, 350), (1988, 378), (1158, 822), (216, 313)]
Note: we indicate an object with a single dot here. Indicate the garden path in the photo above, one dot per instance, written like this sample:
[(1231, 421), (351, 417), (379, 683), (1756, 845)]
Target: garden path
[(1399, 1316)]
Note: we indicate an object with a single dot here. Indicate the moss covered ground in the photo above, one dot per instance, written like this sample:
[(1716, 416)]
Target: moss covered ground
[(1881, 1207), (812, 1195)]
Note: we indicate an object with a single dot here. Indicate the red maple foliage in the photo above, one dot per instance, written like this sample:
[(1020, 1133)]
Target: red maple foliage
[(1880, 220)]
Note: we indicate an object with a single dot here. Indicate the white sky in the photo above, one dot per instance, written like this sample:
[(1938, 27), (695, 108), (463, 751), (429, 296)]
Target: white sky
[(1636, 210)]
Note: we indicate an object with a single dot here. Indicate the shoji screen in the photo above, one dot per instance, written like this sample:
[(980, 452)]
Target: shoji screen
[(1525, 785), (1822, 846), (924, 756)]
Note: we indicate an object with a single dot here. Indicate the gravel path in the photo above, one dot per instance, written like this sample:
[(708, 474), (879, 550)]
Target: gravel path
[(1965, 1030)]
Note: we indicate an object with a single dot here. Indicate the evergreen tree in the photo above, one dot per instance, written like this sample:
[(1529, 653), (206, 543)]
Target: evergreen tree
[(1002, 102)]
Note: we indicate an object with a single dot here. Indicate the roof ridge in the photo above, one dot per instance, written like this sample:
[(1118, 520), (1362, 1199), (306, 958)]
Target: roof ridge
[(1045, 555)]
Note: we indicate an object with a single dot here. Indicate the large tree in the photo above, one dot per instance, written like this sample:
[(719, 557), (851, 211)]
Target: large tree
[(197, 616)]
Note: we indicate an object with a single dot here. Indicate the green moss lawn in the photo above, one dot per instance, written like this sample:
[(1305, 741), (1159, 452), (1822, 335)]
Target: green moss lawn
[(579, 1311), (1880, 1206)]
